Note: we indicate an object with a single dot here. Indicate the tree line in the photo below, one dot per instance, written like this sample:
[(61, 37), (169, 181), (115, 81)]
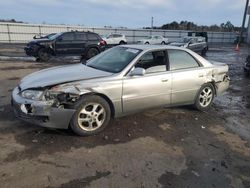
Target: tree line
[(186, 25)]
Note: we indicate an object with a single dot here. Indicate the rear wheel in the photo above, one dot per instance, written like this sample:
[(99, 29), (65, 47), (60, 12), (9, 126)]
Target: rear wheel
[(44, 55), (146, 42), (246, 73), (92, 52), (163, 42), (122, 42), (92, 115), (205, 97)]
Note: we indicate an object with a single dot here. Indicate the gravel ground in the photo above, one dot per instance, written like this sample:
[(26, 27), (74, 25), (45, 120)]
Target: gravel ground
[(172, 147)]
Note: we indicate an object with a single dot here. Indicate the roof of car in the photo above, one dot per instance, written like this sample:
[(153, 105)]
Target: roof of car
[(75, 31), (151, 47)]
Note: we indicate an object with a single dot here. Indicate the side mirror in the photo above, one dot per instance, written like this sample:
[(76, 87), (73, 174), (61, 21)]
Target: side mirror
[(138, 72)]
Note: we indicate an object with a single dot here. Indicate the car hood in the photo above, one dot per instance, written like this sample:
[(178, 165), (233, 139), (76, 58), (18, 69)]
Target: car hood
[(38, 41), (60, 74)]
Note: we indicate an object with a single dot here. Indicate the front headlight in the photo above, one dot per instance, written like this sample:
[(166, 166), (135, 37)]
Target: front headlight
[(32, 94)]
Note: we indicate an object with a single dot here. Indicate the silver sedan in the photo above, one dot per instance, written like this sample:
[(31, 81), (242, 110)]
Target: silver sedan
[(119, 81)]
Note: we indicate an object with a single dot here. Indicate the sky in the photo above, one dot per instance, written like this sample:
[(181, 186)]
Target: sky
[(123, 13)]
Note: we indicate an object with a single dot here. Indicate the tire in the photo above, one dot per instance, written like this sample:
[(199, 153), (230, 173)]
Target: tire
[(44, 55), (146, 42), (205, 97), (122, 42), (92, 115), (204, 51), (92, 52), (246, 73), (163, 42)]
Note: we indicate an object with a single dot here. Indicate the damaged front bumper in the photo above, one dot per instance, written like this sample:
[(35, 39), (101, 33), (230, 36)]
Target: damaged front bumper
[(40, 112)]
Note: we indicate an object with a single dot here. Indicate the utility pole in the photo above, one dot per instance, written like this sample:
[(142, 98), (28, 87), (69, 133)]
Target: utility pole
[(243, 22), (152, 22)]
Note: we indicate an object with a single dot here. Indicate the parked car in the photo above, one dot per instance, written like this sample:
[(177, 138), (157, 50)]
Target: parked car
[(247, 66), (85, 44), (197, 44), (198, 34), (115, 39), (156, 39), (122, 80)]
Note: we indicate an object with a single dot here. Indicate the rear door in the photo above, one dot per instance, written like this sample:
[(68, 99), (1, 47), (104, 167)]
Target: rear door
[(80, 42), (188, 75), (150, 90)]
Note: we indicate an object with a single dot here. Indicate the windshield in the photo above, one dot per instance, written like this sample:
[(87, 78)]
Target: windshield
[(104, 36), (52, 37), (185, 40), (114, 60)]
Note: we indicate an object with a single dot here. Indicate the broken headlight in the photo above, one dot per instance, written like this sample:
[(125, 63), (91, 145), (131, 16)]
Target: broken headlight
[(32, 94)]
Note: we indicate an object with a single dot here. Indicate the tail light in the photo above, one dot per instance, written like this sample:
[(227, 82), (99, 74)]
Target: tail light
[(103, 43)]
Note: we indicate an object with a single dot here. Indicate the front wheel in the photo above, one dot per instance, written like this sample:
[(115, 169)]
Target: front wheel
[(163, 43), (205, 97), (92, 115), (43, 55), (122, 42)]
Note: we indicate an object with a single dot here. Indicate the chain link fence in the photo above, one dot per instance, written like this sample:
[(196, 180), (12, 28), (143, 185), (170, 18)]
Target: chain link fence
[(21, 33)]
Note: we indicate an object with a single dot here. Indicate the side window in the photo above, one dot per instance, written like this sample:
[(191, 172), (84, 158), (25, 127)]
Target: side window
[(92, 36), (111, 36), (117, 36), (81, 36), (68, 36), (179, 59), (153, 62)]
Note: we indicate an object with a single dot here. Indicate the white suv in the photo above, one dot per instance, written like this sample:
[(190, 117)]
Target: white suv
[(114, 39), (156, 39)]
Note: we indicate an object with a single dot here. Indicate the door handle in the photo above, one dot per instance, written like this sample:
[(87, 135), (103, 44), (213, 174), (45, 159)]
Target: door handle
[(164, 80)]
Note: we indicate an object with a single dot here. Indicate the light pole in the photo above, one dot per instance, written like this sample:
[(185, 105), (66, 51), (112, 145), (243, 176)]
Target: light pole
[(243, 22), (152, 22)]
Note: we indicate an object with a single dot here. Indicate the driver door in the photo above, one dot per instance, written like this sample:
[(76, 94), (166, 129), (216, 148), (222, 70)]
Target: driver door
[(150, 90), (65, 44)]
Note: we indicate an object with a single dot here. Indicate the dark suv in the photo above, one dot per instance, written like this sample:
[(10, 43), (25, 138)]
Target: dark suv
[(84, 44)]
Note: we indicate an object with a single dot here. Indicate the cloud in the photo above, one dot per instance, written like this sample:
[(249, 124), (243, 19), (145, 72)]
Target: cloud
[(149, 4), (32, 2), (127, 13)]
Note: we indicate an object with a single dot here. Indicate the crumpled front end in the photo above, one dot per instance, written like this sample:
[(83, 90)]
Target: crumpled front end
[(44, 112)]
